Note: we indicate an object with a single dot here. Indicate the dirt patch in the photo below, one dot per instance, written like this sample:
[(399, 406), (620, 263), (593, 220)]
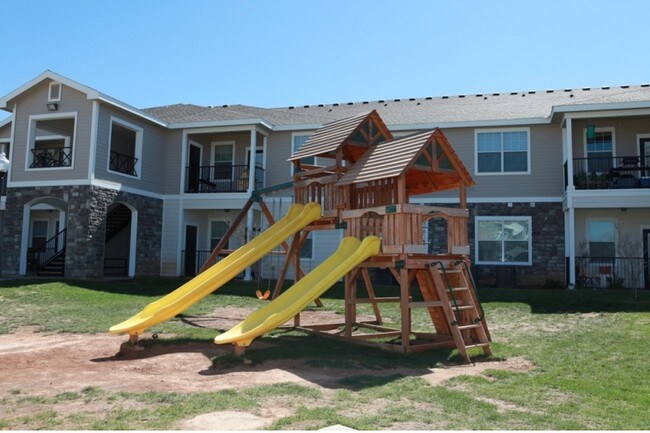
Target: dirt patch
[(45, 364)]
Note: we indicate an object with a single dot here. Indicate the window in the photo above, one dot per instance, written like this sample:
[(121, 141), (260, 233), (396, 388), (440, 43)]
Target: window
[(499, 152), (217, 231), (40, 230), (222, 158), (51, 141), (298, 140), (54, 92), (125, 148), (504, 240), (600, 150), (601, 236)]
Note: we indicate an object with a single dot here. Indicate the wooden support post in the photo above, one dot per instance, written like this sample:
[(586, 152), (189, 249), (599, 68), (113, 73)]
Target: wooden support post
[(404, 307), (371, 294)]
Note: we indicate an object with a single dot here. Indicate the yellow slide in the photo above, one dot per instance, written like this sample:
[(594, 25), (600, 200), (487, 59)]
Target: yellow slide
[(223, 271), (350, 253)]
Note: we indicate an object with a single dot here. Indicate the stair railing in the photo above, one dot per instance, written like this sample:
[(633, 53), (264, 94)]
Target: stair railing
[(40, 256)]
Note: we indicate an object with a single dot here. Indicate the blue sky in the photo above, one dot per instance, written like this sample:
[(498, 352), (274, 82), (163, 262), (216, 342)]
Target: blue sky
[(290, 52)]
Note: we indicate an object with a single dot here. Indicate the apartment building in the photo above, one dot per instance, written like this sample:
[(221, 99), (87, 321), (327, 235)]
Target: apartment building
[(99, 188)]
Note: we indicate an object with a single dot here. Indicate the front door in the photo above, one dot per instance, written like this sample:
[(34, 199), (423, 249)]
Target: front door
[(190, 250), (646, 258), (194, 168)]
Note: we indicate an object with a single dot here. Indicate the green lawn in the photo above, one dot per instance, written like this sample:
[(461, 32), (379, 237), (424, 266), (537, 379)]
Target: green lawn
[(590, 350)]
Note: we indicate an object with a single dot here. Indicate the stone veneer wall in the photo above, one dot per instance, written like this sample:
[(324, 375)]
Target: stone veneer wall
[(548, 261), (86, 213)]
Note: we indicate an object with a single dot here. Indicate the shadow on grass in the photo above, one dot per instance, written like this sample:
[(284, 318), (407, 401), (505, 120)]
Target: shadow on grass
[(570, 301)]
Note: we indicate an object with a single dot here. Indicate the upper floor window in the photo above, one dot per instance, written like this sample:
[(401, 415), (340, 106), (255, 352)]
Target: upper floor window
[(600, 150), (503, 152), (54, 92), (223, 157), (504, 240), (297, 141), (125, 148), (51, 140)]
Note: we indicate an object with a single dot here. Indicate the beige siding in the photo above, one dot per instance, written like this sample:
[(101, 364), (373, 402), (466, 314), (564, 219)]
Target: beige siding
[(279, 150), (33, 102), (171, 164), (5, 131), (625, 134), (151, 175)]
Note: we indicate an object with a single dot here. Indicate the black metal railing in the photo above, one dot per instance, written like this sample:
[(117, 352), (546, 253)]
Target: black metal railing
[(52, 157), (3, 185), (192, 261), (612, 272), (41, 255), (611, 173), (123, 163), (221, 178)]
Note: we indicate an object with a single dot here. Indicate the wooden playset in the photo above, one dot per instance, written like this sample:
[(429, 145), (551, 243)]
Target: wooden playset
[(365, 190)]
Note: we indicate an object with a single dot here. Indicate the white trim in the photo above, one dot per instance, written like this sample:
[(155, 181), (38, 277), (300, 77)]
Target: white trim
[(32, 137), (94, 127), (49, 91), (139, 139), (252, 122), (529, 219), (540, 199), (502, 152), (602, 110)]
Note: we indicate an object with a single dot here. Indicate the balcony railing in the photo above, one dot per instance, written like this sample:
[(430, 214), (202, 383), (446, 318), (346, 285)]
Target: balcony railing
[(52, 157), (3, 185), (611, 173), (123, 163), (221, 178), (612, 272)]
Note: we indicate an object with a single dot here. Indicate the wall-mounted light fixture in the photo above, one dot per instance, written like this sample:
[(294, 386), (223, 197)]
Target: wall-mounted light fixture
[(52, 106), (4, 165)]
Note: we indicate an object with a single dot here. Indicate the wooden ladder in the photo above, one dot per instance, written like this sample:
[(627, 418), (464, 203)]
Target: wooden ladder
[(465, 321)]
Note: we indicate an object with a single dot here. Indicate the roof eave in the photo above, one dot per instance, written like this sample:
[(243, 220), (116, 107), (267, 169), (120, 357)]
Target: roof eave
[(218, 123)]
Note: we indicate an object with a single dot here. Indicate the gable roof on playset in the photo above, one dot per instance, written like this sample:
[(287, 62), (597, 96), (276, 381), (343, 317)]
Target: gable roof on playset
[(353, 135), (426, 160)]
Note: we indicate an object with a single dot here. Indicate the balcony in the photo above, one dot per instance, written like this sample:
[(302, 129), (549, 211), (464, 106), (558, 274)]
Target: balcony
[(52, 157), (220, 178), (621, 172), (123, 163)]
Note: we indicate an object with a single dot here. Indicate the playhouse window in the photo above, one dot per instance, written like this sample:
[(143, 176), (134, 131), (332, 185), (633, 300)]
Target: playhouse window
[(502, 152), (504, 240)]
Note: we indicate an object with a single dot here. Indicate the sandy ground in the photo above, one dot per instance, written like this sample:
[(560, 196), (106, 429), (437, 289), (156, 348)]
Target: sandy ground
[(47, 364)]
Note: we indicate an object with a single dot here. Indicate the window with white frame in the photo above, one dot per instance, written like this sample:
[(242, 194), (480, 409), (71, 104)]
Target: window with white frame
[(297, 141), (125, 148), (504, 240), (503, 151), (600, 150), (223, 155), (54, 92), (218, 229), (51, 141), (601, 236)]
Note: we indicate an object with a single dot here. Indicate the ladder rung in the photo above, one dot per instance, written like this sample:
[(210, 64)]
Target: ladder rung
[(450, 271), (459, 289), (472, 326), (471, 346), (460, 307)]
